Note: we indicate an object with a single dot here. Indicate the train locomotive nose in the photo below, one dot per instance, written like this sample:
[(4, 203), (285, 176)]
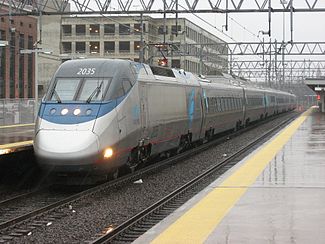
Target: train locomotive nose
[(66, 150)]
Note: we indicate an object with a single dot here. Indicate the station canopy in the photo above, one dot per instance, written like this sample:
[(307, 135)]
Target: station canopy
[(316, 84)]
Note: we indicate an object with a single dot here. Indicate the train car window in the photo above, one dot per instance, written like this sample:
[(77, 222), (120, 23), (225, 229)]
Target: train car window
[(218, 104), (221, 105), (230, 103), (224, 104), (65, 89), (93, 90)]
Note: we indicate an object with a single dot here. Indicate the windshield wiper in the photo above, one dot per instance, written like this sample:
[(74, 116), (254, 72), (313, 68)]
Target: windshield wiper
[(57, 96), (95, 92)]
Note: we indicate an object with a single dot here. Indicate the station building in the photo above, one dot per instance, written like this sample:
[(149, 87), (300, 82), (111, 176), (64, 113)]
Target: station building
[(16, 70), (73, 37)]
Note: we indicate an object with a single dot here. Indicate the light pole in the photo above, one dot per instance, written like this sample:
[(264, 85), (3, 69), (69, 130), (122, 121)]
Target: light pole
[(283, 2)]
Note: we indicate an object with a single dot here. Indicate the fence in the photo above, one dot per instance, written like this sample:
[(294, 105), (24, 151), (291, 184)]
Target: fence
[(17, 111)]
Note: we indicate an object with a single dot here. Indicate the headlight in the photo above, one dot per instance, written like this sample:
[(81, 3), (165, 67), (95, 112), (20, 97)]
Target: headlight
[(108, 153), (64, 111), (76, 111)]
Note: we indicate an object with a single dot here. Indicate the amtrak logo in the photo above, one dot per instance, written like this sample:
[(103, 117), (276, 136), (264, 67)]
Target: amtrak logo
[(191, 107), (136, 114)]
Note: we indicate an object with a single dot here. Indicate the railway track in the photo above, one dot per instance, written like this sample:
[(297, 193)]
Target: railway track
[(143, 221), (16, 221)]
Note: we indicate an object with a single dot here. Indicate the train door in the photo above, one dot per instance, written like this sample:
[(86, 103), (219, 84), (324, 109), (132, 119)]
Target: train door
[(143, 94), (204, 110)]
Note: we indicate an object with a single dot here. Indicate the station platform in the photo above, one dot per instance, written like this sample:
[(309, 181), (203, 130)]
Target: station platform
[(16, 137), (275, 195)]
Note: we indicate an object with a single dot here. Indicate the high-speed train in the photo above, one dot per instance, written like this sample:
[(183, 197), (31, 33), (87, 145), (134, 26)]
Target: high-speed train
[(101, 114)]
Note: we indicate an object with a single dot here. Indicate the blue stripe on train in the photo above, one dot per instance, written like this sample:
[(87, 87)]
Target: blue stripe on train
[(97, 110)]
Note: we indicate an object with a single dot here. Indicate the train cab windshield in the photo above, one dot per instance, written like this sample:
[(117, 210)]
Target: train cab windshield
[(91, 81), (79, 90)]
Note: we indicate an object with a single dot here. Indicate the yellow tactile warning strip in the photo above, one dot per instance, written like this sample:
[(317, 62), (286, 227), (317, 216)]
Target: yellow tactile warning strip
[(16, 144), (199, 221), (17, 125)]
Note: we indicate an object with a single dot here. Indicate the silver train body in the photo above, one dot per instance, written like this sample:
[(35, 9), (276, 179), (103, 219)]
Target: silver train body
[(101, 114)]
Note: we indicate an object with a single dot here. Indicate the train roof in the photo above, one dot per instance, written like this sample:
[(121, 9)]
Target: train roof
[(103, 67)]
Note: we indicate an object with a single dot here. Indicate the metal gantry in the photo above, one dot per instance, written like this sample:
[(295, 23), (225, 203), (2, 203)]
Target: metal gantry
[(258, 48), (261, 61), (269, 67), (273, 71), (170, 6)]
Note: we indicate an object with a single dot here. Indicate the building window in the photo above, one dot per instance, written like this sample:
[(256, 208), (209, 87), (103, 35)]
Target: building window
[(12, 68), (66, 30), (161, 30), (94, 29), (2, 19), (94, 47), (124, 29), (66, 47), (2, 64), (80, 47), (21, 41), (109, 47), (21, 23), (30, 25), (21, 66), (174, 30), (137, 46), (109, 29), (176, 63), (12, 72), (12, 39), (137, 29), (80, 30), (124, 47), (30, 67)]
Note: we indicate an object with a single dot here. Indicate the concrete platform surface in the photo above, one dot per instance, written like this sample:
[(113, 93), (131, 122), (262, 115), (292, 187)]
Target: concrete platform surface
[(275, 195), (16, 137)]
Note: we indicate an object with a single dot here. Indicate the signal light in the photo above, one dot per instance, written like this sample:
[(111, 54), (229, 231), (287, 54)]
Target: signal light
[(163, 62), (318, 97)]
